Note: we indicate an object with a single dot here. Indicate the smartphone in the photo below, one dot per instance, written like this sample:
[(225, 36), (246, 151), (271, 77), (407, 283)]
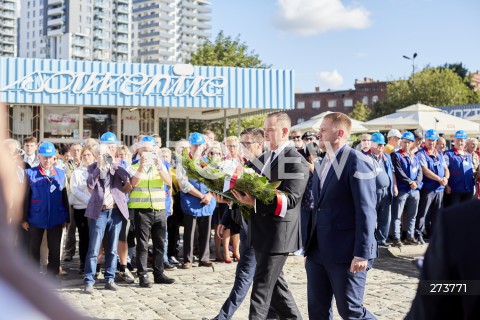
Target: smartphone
[(150, 157)]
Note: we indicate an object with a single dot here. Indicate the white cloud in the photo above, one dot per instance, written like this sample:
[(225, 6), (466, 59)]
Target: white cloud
[(329, 79), (311, 17)]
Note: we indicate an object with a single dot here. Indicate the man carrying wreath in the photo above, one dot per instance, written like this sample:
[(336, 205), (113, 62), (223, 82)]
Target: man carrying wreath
[(274, 228)]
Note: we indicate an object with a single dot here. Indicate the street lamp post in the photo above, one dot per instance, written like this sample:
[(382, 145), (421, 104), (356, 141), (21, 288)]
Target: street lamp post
[(413, 70)]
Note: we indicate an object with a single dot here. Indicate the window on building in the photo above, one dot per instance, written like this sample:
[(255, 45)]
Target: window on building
[(374, 99), (34, 54), (89, 20), (28, 45), (34, 44), (33, 13), (28, 34), (301, 105), (33, 23), (348, 102), (28, 25), (332, 103), (365, 100), (28, 14), (40, 32), (316, 104), (300, 120)]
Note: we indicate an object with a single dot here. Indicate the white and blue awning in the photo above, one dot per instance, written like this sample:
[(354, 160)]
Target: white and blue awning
[(202, 90)]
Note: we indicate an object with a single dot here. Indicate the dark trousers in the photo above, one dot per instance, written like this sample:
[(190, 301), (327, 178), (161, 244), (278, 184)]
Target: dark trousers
[(150, 223), (270, 288), (430, 204), (71, 241), (243, 280), (83, 237), (457, 197), (190, 224), (54, 238), (328, 280), (173, 228)]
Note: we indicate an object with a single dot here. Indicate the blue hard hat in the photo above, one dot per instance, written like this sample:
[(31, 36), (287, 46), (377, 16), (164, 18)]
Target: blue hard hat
[(460, 134), (408, 136), (108, 137), (431, 135), (196, 138), (377, 137), (149, 139), (47, 149)]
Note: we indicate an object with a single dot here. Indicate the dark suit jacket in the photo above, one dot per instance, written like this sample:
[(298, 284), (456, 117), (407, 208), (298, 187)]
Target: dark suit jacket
[(451, 255), (272, 234), (344, 216)]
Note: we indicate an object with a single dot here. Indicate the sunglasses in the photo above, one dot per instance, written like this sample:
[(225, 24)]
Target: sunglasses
[(215, 154), (311, 139), (295, 137)]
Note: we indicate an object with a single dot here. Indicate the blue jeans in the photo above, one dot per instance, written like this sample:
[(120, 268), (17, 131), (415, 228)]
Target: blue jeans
[(383, 215), (410, 200), (109, 223)]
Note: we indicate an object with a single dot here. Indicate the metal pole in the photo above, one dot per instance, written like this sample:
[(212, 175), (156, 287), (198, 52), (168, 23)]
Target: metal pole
[(226, 123), (187, 129), (168, 127), (239, 123)]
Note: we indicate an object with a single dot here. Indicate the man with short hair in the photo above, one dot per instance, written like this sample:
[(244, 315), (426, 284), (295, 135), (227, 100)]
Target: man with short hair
[(30, 148), (341, 244), (417, 145), (393, 138), (365, 142), (435, 178), (274, 228), (441, 144)]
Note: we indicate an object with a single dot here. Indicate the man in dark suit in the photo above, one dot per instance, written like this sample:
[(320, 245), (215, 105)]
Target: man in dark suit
[(274, 229), (340, 245), (451, 255)]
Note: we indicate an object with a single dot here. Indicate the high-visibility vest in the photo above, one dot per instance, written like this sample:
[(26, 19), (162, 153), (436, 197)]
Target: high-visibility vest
[(150, 192)]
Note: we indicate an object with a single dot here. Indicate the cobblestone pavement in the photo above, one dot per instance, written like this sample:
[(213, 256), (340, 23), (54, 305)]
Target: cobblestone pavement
[(200, 292)]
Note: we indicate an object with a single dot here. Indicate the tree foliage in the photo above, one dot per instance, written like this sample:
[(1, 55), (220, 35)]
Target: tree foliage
[(226, 52), (432, 87), (247, 122), (360, 112)]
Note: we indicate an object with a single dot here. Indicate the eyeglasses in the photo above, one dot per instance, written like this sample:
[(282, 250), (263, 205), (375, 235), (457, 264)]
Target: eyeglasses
[(232, 146), (215, 154), (295, 137), (247, 143), (364, 140)]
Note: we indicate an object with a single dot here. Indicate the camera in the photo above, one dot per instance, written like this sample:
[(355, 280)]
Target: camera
[(108, 158), (150, 157)]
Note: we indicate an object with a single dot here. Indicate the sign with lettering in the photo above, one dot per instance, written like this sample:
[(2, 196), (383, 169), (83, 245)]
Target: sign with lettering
[(179, 83), (96, 83)]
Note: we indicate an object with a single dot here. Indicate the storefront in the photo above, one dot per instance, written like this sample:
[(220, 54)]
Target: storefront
[(69, 101)]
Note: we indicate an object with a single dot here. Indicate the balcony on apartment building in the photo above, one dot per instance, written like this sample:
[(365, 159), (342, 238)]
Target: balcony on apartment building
[(121, 39), (101, 24), (99, 34), (79, 42), (188, 39), (55, 2), (8, 32), (100, 55), (199, 33), (56, 22), (100, 14), (121, 48), (123, 1), (199, 8), (122, 29), (55, 11), (101, 4), (122, 9), (123, 18), (57, 31), (121, 57), (194, 23)]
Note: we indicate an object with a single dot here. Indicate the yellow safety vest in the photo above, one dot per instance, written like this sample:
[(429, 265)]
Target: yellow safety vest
[(149, 193)]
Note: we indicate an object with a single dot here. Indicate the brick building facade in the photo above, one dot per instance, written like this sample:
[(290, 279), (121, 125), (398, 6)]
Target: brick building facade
[(310, 104)]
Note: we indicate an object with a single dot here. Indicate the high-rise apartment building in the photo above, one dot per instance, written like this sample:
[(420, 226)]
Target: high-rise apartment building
[(80, 29), (168, 31), (8, 28)]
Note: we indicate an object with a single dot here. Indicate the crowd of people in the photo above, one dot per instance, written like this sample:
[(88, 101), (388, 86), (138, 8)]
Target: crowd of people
[(334, 205)]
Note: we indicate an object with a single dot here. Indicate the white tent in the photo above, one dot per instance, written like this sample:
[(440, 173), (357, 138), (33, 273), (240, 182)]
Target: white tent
[(419, 116), (313, 124)]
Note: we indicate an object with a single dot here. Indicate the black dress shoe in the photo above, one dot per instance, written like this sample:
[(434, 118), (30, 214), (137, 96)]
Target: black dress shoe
[(145, 282), (164, 279)]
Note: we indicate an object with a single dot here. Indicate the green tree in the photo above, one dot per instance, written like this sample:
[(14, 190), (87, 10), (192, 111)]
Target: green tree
[(247, 122), (360, 112), (431, 86), (226, 52)]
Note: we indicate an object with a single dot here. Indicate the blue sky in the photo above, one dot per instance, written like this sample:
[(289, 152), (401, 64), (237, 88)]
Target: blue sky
[(330, 43)]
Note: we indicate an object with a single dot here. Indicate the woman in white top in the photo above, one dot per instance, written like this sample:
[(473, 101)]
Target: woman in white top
[(79, 197)]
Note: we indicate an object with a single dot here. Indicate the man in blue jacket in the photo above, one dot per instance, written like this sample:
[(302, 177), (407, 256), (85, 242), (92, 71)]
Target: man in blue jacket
[(435, 178), (461, 183), (409, 176), (385, 184), (46, 206), (341, 244)]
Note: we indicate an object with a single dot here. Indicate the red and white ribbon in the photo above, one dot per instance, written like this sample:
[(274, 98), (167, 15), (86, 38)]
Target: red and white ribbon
[(230, 182), (281, 209)]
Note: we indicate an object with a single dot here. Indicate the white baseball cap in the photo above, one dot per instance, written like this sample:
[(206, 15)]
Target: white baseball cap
[(394, 133)]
